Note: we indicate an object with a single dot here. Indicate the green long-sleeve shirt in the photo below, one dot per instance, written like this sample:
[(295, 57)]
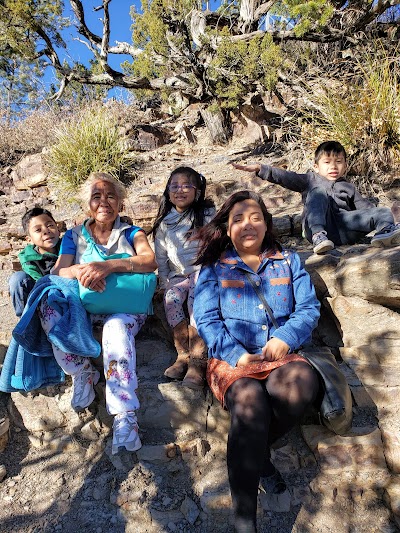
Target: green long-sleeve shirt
[(35, 264)]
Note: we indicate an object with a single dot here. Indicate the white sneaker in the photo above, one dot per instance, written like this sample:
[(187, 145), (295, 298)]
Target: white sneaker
[(388, 236), (321, 243), (83, 393), (125, 428)]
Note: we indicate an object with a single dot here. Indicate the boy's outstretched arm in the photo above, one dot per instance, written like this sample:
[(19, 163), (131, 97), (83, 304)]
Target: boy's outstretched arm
[(256, 167), (287, 179)]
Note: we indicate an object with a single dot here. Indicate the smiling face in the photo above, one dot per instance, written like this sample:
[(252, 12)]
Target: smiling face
[(247, 227), (182, 192), (43, 233), (104, 204), (331, 166)]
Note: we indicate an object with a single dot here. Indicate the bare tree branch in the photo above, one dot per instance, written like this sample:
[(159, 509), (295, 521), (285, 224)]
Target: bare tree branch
[(125, 48), (77, 8)]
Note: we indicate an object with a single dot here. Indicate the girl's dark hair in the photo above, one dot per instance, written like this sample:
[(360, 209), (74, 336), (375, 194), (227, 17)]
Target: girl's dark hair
[(195, 210), (214, 238)]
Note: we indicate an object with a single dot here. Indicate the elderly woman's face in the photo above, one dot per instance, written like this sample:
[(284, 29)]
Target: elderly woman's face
[(104, 203)]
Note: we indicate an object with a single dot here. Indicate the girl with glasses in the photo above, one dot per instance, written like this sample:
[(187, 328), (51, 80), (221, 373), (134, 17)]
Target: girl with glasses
[(182, 211)]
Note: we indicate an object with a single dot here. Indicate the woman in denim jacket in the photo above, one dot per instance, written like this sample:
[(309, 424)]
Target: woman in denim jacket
[(251, 369)]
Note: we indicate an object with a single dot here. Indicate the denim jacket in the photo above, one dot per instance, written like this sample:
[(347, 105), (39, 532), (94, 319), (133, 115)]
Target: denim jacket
[(231, 318)]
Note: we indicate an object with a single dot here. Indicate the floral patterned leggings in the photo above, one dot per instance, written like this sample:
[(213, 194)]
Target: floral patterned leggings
[(178, 290), (119, 355)]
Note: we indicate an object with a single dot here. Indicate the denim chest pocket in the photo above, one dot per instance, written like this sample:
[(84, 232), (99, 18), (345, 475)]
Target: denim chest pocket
[(232, 295), (281, 294)]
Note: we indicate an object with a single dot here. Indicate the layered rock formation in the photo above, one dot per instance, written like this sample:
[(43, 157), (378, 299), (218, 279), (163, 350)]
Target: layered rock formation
[(184, 432)]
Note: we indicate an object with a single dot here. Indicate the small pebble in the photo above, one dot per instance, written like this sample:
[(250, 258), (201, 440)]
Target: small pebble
[(166, 501)]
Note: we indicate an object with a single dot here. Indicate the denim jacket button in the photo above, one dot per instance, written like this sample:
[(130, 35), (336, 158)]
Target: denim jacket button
[(257, 283), (264, 327), (261, 306)]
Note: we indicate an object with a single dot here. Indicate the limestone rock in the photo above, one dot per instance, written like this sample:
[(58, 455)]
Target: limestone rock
[(280, 503), (35, 412), (322, 269), (189, 510), (371, 328), (391, 442), (360, 450), (283, 225), (5, 248), (4, 430), (392, 497), (371, 372), (373, 275), (28, 173), (157, 454)]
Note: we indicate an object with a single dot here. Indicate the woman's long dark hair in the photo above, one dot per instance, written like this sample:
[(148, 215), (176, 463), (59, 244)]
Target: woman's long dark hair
[(195, 210), (214, 238)]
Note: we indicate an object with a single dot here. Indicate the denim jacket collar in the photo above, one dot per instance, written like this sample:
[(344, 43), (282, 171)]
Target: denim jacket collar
[(231, 257)]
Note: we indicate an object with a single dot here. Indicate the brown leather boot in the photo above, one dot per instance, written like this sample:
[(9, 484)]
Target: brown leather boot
[(181, 341), (196, 374)]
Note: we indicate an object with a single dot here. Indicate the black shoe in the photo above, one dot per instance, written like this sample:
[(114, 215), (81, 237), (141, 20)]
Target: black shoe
[(273, 484)]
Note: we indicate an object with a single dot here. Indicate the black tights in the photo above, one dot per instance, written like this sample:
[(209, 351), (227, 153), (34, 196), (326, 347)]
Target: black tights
[(261, 412)]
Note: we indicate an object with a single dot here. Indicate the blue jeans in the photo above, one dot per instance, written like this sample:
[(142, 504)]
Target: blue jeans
[(20, 285), (342, 227)]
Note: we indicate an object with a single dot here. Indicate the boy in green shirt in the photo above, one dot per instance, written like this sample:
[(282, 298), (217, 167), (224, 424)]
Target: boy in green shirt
[(37, 258)]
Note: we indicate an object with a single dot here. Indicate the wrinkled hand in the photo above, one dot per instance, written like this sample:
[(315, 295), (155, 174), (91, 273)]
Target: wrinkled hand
[(92, 275), (247, 358), (275, 349), (256, 167)]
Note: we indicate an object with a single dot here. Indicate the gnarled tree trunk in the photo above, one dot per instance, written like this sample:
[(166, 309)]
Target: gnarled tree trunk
[(217, 122)]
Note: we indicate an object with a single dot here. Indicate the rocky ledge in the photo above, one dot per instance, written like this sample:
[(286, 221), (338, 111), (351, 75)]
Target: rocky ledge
[(178, 480)]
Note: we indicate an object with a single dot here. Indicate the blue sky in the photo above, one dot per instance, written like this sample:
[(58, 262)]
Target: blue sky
[(120, 24), (120, 27), (120, 31)]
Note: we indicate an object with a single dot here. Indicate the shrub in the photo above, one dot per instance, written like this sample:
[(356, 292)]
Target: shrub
[(27, 136), (89, 142)]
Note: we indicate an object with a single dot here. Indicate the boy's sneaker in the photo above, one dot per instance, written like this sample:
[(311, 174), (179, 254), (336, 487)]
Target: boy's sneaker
[(321, 243), (83, 393), (126, 434), (388, 236)]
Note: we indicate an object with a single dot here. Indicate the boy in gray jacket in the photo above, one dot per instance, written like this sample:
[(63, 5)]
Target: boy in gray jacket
[(334, 213)]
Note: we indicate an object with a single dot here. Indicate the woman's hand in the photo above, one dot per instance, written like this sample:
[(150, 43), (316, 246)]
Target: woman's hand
[(275, 349), (256, 167), (92, 275), (247, 358)]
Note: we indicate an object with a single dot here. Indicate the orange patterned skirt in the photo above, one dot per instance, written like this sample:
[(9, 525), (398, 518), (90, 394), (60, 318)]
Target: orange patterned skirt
[(221, 375)]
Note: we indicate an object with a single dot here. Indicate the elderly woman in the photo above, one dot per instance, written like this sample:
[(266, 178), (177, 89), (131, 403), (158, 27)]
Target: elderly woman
[(104, 195)]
